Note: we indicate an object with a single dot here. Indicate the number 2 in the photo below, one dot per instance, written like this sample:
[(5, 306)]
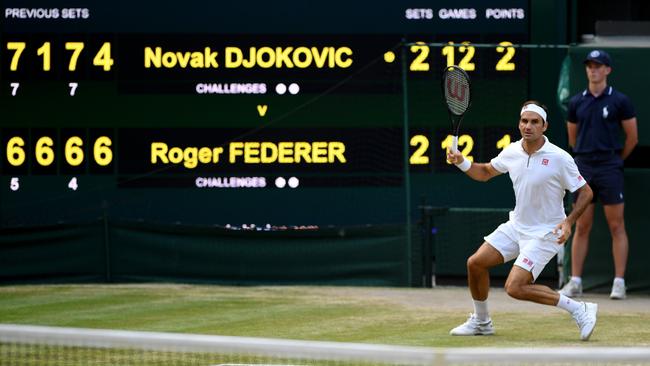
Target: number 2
[(418, 157), (504, 63), (420, 64)]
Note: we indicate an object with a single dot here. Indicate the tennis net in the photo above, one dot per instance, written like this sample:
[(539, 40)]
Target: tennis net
[(56, 346)]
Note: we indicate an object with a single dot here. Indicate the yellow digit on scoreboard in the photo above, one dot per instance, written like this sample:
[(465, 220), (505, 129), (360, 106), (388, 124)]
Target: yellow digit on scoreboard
[(45, 51), (19, 47), (504, 63), (418, 157), (103, 57), (503, 142), (102, 151), (76, 48), (15, 151), (420, 63), (466, 141), (44, 152), (74, 155)]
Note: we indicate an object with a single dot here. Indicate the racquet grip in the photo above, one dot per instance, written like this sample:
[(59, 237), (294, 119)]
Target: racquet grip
[(454, 144)]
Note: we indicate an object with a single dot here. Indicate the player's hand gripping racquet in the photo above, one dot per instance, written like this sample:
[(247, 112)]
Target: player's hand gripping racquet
[(456, 91)]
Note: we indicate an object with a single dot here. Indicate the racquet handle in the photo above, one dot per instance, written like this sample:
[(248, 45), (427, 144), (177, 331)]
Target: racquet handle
[(454, 144)]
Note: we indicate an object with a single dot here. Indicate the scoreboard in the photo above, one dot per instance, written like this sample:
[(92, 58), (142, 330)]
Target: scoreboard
[(285, 113)]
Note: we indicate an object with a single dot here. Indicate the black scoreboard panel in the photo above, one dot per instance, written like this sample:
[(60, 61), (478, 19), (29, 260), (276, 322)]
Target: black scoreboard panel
[(213, 113)]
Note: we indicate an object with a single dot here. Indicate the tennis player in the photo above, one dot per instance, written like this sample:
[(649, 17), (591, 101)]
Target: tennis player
[(541, 173)]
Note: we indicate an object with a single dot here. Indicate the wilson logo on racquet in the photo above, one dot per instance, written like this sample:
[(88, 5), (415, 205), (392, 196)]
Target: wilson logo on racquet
[(454, 93)]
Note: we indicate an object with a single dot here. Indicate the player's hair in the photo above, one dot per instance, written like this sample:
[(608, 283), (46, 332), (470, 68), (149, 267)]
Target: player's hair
[(537, 103)]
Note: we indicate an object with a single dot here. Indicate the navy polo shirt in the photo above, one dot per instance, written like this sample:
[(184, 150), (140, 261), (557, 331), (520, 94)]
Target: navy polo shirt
[(599, 120)]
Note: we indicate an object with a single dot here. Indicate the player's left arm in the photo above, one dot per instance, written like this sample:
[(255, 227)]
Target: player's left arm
[(631, 136), (584, 199)]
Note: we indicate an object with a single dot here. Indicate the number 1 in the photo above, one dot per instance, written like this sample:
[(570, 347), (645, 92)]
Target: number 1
[(503, 142), (45, 52)]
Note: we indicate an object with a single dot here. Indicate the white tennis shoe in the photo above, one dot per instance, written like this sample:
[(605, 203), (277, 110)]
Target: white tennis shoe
[(585, 317), (618, 291), (571, 289), (473, 327)]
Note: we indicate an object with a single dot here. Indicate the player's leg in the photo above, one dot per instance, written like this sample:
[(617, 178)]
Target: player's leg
[(498, 247), (520, 286), (535, 254), (478, 280), (478, 266)]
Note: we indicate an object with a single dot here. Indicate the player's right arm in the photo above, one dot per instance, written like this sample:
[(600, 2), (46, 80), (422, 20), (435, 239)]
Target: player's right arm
[(477, 171)]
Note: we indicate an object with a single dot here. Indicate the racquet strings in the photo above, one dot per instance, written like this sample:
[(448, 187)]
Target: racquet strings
[(457, 90)]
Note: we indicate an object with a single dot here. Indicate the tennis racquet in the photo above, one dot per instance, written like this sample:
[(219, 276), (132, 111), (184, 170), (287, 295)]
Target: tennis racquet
[(456, 89)]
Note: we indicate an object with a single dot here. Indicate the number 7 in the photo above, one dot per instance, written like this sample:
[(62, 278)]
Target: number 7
[(14, 88), (73, 88), (19, 47), (76, 48)]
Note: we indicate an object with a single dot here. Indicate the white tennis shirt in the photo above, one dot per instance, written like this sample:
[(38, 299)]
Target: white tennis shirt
[(540, 181)]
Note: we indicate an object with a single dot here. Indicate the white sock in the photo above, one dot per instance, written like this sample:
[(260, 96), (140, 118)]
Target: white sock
[(568, 304), (619, 280), (481, 310), (577, 279)]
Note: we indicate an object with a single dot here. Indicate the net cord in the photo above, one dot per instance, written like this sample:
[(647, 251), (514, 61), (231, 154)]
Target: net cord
[(317, 350)]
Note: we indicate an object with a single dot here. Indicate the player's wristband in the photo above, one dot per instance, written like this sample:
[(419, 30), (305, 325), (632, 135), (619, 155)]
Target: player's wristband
[(465, 165)]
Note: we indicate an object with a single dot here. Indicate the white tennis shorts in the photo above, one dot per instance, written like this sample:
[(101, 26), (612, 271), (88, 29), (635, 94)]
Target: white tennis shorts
[(531, 253)]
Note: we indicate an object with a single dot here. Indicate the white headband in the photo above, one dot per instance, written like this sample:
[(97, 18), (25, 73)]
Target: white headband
[(534, 108)]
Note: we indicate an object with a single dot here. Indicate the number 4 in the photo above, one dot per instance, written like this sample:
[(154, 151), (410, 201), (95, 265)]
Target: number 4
[(103, 57), (72, 184)]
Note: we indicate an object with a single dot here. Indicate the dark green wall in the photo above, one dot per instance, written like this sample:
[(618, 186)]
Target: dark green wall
[(105, 251)]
